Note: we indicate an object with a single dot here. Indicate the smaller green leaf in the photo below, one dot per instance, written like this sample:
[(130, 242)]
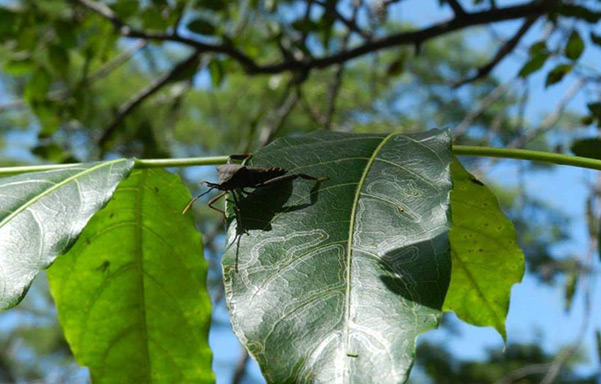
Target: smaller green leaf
[(579, 12), (570, 289), (213, 5), (66, 31), (536, 48), (58, 57), (557, 74), (38, 85), (188, 71), (575, 46), (125, 8), (153, 18), (52, 152), (131, 293), (397, 66), (46, 113), (19, 67), (590, 148), (305, 25), (592, 222), (161, 4), (487, 261), (587, 120), (7, 22), (595, 109), (202, 27), (534, 64), (216, 71), (596, 39)]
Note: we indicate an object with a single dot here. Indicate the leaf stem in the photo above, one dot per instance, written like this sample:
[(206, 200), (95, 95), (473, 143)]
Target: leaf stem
[(462, 150), (184, 162), (138, 164), (523, 154)]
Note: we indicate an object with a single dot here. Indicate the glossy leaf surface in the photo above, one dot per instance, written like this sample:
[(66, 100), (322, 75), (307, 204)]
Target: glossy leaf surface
[(334, 282), (487, 261), (131, 293), (41, 215)]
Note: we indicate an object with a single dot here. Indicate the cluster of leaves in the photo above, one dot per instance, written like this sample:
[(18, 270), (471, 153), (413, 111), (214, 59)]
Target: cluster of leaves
[(137, 257)]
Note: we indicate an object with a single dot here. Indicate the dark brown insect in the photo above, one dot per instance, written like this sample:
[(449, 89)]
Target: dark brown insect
[(239, 176)]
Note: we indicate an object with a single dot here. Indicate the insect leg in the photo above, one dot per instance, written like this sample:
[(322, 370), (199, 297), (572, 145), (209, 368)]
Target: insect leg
[(214, 200), (195, 198), (238, 213), (292, 176)]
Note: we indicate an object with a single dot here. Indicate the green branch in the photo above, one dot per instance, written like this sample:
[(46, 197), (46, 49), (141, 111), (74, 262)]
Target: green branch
[(139, 164), (462, 150), (523, 154)]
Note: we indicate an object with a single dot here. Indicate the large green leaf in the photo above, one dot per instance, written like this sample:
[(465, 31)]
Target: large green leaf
[(41, 215), (487, 261), (334, 282), (131, 293)]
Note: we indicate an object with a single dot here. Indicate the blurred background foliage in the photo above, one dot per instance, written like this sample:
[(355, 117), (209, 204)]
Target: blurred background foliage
[(85, 80)]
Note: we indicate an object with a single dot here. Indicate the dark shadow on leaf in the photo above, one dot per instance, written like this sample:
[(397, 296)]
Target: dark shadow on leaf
[(419, 273), (257, 209)]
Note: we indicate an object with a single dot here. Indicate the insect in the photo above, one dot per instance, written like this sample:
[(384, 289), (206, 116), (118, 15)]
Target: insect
[(239, 177)]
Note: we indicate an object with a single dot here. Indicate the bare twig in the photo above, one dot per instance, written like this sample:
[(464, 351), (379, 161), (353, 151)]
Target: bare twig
[(533, 8), (276, 120), (313, 112), (333, 96), (486, 102), (545, 126), (520, 373), (457, 8), (339, 72), (240, 370), (14, 104), (150, 90), (505, 49), (125, 55), (351, 24), (551, 120)]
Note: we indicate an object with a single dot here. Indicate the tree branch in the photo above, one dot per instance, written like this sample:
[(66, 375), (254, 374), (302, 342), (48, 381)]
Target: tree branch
[(505, 49), (351, 24), (150, 90), (552, 119), (520, 373), (486, 102), (457, 8), (128, 31), (459, 150), (240, 370), (273, 126), (339, 71), (533, 8), (125, 55)]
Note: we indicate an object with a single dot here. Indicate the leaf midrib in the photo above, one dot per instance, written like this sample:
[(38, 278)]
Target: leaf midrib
[(349, 247), (139, 256), (56, 186)]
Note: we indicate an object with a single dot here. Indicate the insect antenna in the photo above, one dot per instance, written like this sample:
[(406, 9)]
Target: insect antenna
[(194, 200)]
